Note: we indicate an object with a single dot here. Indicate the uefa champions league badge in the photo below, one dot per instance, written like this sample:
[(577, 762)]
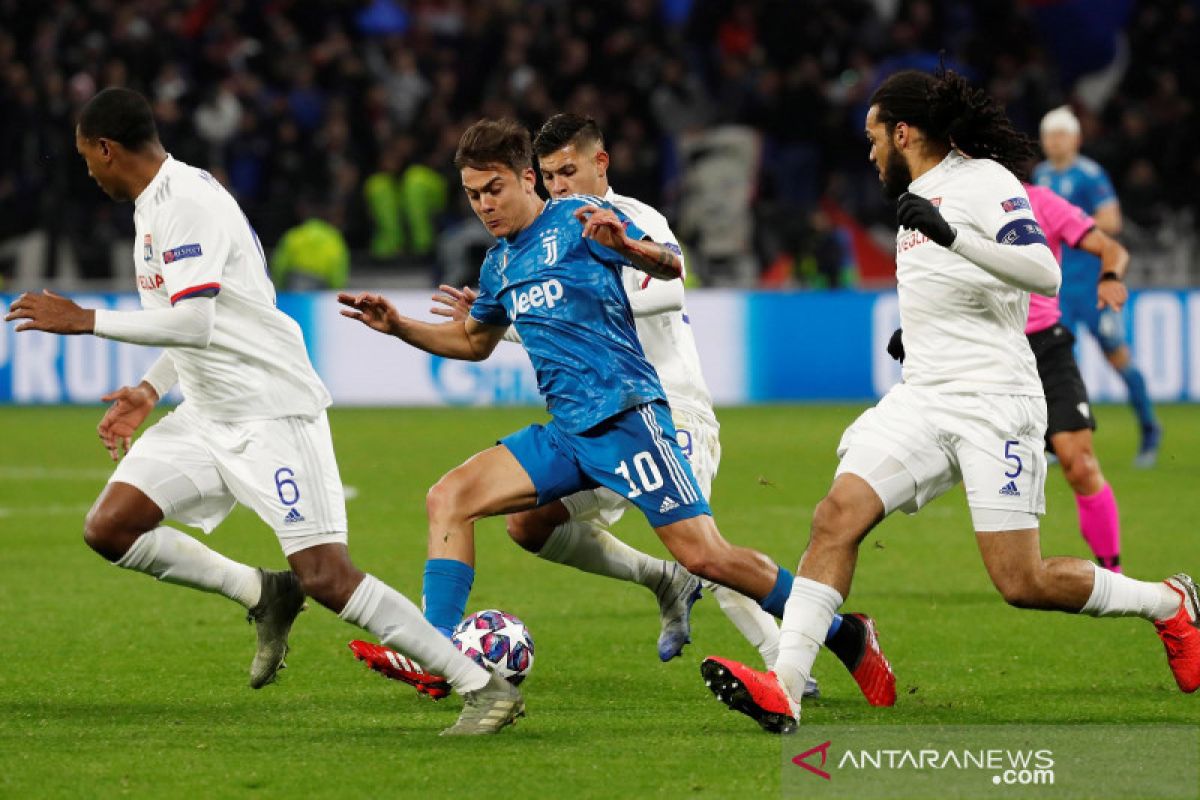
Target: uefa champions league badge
[(147, 249)]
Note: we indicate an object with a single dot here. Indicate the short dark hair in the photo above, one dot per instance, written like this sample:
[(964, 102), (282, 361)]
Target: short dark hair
[(495, 141), (564, 129), (122, 115)]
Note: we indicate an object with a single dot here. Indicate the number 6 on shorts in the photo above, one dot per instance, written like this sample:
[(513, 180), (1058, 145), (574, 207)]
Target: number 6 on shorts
[(287, 481)]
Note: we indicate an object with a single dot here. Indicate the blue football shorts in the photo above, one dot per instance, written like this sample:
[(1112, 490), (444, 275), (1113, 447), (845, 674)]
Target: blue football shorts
[(634, 453)]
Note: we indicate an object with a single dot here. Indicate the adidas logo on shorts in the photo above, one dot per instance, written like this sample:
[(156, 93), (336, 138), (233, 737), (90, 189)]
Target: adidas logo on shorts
[(1010, 489), (292, 516), (667, 505)]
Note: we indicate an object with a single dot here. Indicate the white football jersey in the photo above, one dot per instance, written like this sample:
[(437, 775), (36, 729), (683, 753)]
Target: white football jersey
[(964, 330), (666, 338), (193, 240)]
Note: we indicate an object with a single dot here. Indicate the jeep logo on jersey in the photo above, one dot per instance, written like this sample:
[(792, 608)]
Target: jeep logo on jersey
[(540, 294)]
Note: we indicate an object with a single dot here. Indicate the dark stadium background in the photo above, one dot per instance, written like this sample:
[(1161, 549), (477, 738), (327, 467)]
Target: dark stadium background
[(754, 107)]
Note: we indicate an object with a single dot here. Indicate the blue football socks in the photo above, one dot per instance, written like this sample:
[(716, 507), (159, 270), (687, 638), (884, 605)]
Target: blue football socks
[(445, 592), (777, 598)]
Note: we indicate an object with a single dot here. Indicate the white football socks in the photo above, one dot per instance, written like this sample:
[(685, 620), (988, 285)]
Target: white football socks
[(1115, 595), (399, 624), (175, 557), (806, 620), (757, 625), (588, 547)]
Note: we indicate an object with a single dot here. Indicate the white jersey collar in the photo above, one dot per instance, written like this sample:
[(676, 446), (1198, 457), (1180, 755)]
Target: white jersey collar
[(952, 160), (153, 185)]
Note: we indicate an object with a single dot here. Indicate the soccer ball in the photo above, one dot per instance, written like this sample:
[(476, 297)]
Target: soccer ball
[(496, 641)]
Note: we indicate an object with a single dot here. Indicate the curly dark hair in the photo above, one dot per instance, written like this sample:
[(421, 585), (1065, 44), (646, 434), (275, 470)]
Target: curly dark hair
[(949, 110)]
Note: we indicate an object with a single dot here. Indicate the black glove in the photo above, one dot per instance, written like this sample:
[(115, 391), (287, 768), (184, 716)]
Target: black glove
[(914, 211), (895, 346)]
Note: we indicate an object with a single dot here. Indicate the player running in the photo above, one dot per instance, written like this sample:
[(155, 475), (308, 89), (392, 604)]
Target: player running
[(1084, 183), (1070, 420), (971, 407), (252, 428), (556, 275), (575, 529)]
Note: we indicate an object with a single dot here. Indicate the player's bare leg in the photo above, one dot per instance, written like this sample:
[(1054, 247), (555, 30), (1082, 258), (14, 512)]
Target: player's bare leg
[(124, 526), (1099, 522), (698, 545), (1027, 580), (488, 484)]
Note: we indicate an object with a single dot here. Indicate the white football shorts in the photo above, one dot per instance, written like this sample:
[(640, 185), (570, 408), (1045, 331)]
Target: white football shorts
[(700, 441), (195, 469), (917, 443)]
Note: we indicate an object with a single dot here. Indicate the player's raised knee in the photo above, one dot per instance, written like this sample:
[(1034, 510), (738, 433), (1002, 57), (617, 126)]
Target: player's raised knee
[(702, 561), (102, 531), (832, 519), (445, 497), (1021, 592), (1081, 469), (329, 581), (525, 531)]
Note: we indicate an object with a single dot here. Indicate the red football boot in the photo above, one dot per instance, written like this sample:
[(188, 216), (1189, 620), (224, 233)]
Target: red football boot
[(390, 664), (1180, 634), (758, 695), (873, 673)]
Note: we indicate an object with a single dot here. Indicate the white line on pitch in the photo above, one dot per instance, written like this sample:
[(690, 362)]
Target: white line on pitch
[(10, 472), (43, 511)]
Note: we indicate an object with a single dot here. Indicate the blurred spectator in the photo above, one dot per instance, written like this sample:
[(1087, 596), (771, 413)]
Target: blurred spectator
[(404, 198), (311, 256), (361, 103)]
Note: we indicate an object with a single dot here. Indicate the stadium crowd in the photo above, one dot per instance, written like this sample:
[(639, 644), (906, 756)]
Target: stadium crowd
[(349, 112)]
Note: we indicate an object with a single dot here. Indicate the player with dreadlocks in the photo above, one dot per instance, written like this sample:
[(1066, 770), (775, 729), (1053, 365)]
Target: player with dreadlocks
[(971, 407)]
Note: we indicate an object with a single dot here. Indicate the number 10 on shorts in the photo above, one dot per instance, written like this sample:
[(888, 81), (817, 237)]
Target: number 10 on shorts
[(647, 474)]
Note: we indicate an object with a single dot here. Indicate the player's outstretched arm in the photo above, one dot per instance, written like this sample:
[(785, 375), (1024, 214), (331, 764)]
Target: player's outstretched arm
[(51, 313), (1114, 260), (466, 340), (606, 228), (189, 323)]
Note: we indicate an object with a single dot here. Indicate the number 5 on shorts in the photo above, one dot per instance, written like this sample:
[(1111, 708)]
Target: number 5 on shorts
[(1010, 457)]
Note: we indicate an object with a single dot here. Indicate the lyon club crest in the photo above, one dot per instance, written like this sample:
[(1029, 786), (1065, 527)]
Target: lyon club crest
[(147, 249)]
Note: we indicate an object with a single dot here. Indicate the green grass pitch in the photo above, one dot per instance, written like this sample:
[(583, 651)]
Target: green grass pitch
[(112, 685)]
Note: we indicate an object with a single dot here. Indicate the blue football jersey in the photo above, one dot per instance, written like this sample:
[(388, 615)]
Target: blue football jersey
[(1086, 184), (564, 295)]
